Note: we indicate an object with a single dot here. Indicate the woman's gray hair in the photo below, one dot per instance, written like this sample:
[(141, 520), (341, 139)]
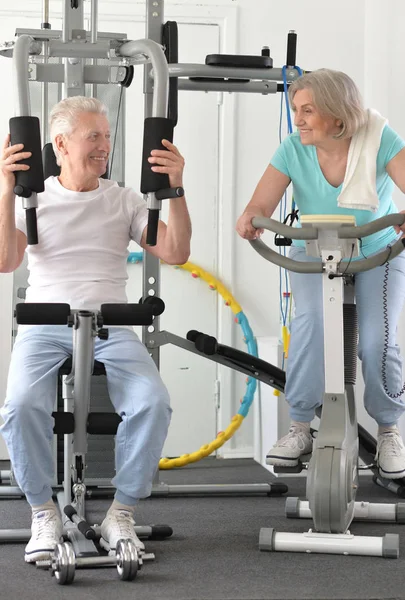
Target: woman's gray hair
[(63, 116), (335, 95)]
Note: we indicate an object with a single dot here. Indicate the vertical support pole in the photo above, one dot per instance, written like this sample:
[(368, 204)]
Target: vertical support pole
[(44, 103), (68, 406), (20, 76), (73, 19), (45, 88), (93, 34), (83, 360), (94, 20), (333, 325), (151, 265)]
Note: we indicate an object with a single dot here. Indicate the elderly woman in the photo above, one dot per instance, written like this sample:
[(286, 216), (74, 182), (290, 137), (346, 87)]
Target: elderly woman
[(85, 224), (331, 121)]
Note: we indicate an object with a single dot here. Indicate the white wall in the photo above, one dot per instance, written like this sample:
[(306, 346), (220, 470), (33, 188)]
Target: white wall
[(362, 38), (322, 42)]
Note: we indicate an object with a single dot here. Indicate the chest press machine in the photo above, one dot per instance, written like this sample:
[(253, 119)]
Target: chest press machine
[(75, 60), (332, 479)]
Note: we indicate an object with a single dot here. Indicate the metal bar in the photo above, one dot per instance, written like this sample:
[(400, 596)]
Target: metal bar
[(54, 73), (45, 11), (358, 231), (332, 292), (83, 360), (151, 264), (10, 490), (5, 476), (14, 535), (249, 87), (363, 511), (56, 34), (100, 49), (20, 76), (94, 20), (284, 261), (215, 489), (159, 64), (196, 70), (45, 97), (164, 337), (68, 407), (66, 30), (328, 543)]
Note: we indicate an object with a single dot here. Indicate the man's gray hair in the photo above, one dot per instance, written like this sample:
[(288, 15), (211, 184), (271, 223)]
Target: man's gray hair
[(63, 116), (335, 95)]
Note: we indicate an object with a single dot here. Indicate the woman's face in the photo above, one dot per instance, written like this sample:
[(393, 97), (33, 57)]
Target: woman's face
[(313, 127)]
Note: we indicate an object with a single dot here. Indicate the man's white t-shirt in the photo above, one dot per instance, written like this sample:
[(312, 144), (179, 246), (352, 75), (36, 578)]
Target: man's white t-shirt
[(83, 238)]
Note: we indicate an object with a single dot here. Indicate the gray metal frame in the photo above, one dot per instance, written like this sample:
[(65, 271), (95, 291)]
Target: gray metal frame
[(332, 479), (73, 45)]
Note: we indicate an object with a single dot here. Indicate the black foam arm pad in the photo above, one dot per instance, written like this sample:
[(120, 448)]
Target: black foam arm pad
[(157, 304), (192, 335), (155, 130), (127, 314), (153, 224), (206, 344), (42, 313), (25, 130), (82, 524), (31, 221), (69, 511)]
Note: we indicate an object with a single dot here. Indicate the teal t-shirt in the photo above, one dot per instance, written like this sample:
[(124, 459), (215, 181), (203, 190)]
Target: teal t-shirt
[(314, 195)]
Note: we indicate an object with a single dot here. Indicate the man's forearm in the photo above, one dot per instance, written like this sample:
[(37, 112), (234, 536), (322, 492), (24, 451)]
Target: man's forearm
[(8, 235), (178, 233)]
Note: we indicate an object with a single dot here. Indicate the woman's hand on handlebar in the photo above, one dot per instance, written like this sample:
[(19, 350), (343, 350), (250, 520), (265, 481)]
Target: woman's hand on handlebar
[(245, 228), (9, 158), (399, 228)]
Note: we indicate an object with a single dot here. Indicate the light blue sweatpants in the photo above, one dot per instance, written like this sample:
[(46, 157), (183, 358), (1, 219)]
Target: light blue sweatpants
[(135, 389), (305, 376)]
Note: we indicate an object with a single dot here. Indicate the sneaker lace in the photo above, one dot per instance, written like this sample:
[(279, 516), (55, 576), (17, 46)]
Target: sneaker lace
[(45, 526), (293, 439), (126, 524), (391, 444)]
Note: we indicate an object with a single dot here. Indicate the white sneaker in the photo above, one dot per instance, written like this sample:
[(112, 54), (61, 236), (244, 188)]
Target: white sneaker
[(286, 452), (46, 531), (390, 455), (119, 524)]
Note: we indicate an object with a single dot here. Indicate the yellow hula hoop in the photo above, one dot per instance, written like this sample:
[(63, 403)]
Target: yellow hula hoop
[(236, 421)]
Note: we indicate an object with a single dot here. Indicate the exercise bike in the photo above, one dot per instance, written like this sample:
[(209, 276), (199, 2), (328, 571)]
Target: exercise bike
[(332, 479)]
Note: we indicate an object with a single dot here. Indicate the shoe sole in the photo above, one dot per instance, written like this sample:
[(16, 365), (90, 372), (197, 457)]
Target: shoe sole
[(391, 474), (34, 557), (281, 461)]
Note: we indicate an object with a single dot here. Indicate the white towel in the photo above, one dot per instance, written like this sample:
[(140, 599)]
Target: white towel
[(359, 189)]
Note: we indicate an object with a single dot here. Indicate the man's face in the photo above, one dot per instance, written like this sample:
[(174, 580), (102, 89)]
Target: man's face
[(85, 152)]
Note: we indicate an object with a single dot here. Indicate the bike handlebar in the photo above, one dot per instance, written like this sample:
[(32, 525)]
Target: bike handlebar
[(343, 232)]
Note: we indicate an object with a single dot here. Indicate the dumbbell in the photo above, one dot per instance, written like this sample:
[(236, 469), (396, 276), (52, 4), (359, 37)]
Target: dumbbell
[(64, 562)]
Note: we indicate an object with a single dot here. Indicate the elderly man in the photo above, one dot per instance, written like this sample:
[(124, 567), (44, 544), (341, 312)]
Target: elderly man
[(85, 224)]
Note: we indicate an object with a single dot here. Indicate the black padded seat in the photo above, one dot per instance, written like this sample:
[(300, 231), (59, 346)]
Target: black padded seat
[(66, 368)]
